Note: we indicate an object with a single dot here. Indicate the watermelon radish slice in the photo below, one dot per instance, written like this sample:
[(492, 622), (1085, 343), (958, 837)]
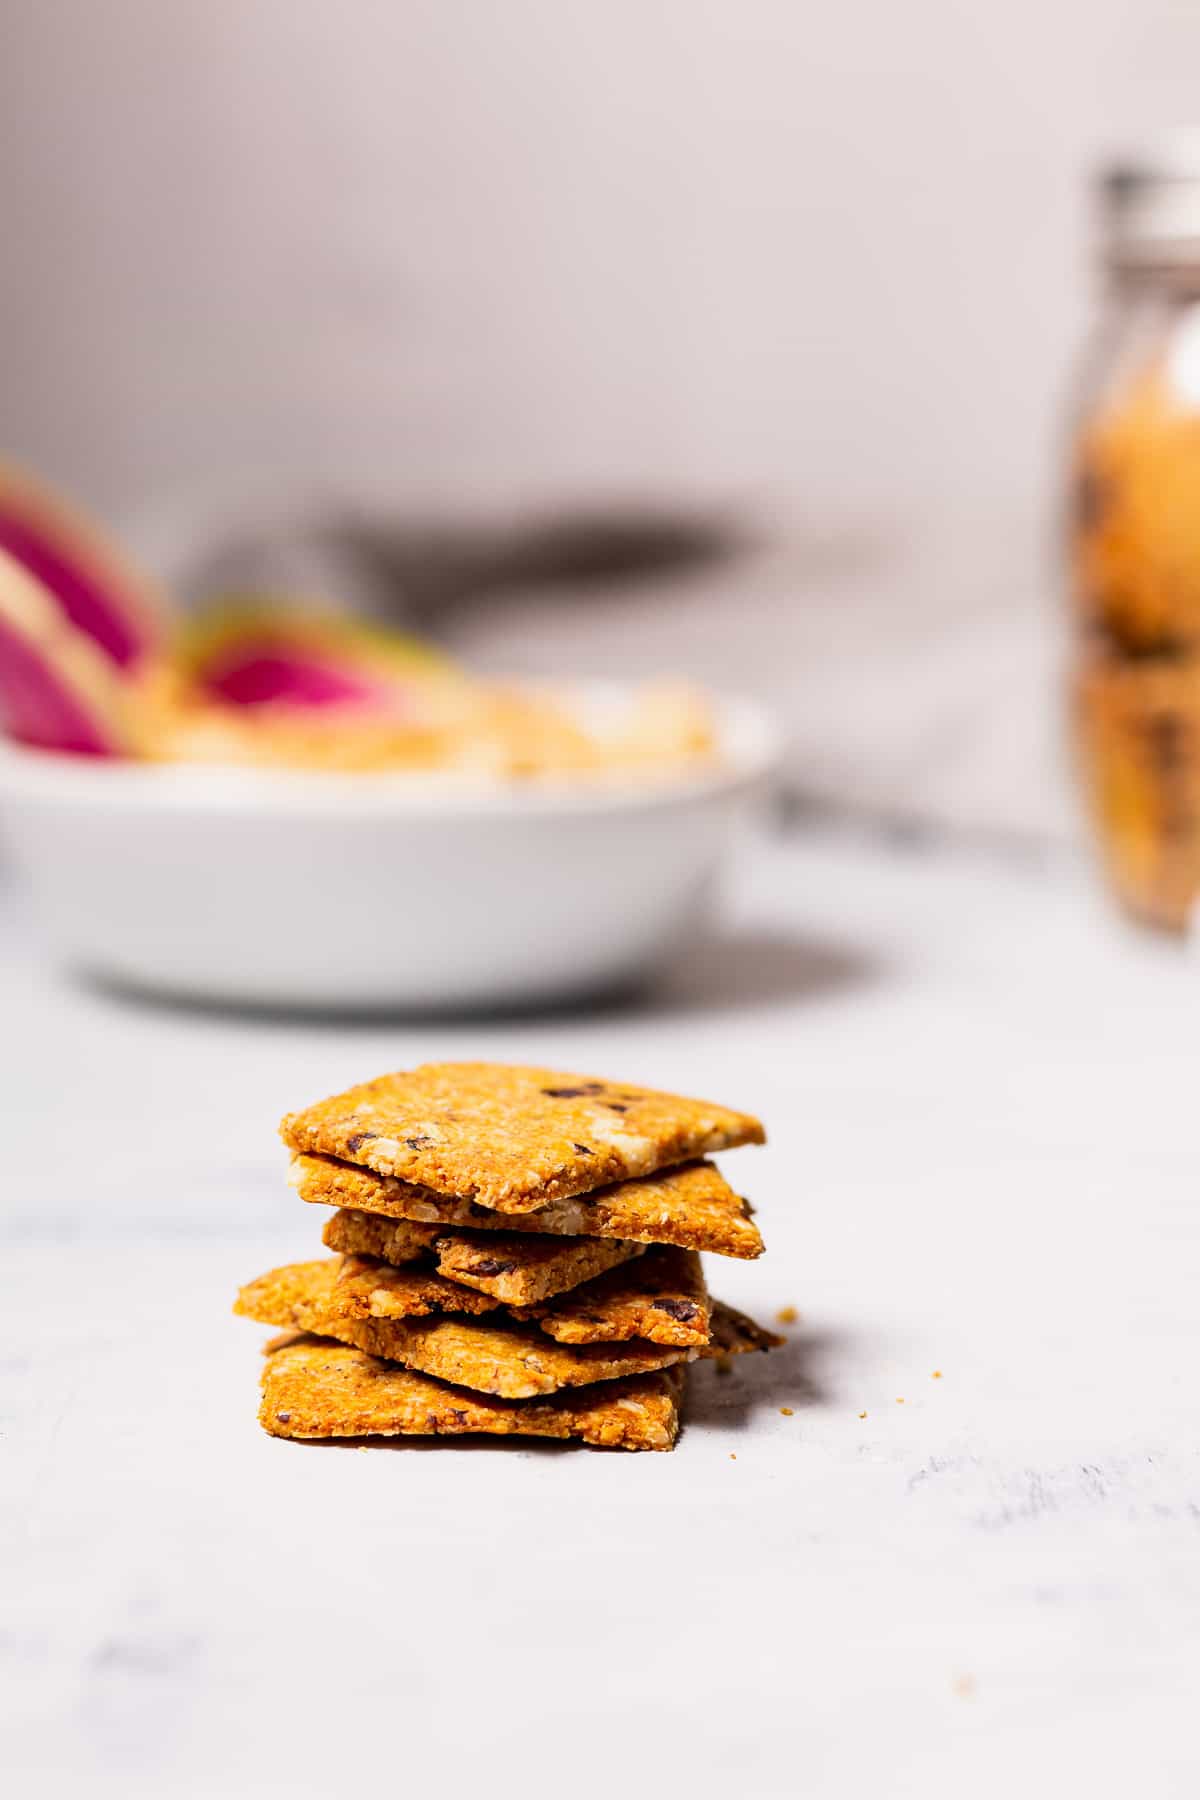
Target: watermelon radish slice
[(100, 594), (257, 656), (57, 690)]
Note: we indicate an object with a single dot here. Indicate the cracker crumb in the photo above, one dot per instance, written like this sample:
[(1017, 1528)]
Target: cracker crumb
[(787, 1315), (899, 1399), (786, 1411), (936, 1376), (733, 1456), (862, 1415)]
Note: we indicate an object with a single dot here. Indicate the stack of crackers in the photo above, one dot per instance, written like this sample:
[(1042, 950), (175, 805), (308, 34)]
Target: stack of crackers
[(516, 1253)]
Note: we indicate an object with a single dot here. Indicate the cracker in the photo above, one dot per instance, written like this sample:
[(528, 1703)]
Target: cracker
[(512, 1139), (523, 1270), (314, 1389), (306, 1295), (662, 1298), (510, 1360), (297, 1297), (513, 1361), (692, 1206), (366, 1288), (517, 1270), (395, 1240), (735, 1333)]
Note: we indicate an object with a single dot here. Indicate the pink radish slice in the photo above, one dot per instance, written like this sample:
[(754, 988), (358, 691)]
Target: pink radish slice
[(260, 677), (276, 655), (57, 690), (97, 591), (87, 606)]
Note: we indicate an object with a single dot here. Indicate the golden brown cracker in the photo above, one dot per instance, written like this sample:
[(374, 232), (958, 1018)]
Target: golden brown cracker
[(735, 1333), (297, 1297), (315, 1389), (519, 1270), (395, 1240), (512, 1139), (307, 1296), (505, 1358), (692, 1206), (509, 1359), (523, 1270), (663, 1298), (367, 1288)]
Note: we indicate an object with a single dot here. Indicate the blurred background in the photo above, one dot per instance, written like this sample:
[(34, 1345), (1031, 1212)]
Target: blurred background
[(747, 328)]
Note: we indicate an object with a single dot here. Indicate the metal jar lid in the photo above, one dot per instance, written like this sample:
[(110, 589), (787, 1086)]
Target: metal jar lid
[(1151, 206)]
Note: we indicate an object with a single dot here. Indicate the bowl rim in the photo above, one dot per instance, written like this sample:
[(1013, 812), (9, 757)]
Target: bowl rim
[(749, 752)]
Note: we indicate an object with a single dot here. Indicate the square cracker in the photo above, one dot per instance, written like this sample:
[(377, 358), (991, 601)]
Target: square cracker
[(315, 1389), (692, 1206), (366, 1288), (519, 1270), (513, 1361), (663, 1298), (373, 1234), (510, 1360), (308, 1295), (396, 1240), (512, 1139), (301, 1294)]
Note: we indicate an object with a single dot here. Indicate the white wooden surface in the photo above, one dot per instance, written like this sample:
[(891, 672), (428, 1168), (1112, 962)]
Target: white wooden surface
[(982, 1098)]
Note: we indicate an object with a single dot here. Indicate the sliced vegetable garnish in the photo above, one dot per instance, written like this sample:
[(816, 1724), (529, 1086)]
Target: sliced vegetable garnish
[(57, 690), (101, 594), (255, 656)]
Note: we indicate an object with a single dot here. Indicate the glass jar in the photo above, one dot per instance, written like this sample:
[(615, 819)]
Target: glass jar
[(1134, 542)]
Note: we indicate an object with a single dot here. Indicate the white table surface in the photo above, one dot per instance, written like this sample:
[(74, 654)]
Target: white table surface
[(985, 1141)]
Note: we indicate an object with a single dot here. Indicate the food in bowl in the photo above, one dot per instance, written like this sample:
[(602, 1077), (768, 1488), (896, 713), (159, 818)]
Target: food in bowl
[(93, 661), (405, 707), (264, 807)]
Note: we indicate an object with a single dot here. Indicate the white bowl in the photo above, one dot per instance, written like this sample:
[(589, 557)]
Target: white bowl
[(371, 891)]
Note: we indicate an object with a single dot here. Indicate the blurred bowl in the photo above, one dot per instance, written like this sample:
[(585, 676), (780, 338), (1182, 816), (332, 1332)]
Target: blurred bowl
[(372, 892)]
